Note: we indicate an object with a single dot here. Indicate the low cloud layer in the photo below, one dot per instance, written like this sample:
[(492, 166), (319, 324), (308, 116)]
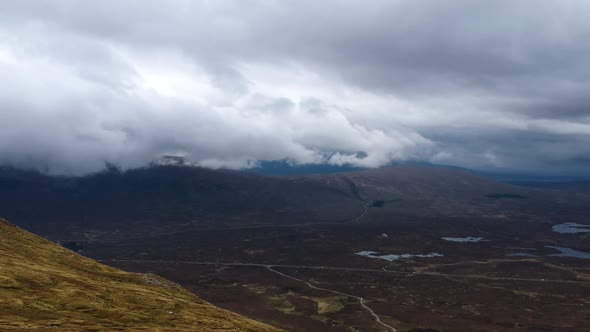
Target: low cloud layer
[(481, 84)]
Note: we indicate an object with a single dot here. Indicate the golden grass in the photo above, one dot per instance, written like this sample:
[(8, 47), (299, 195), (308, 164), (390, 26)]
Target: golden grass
[(328, 305), (44, 286)]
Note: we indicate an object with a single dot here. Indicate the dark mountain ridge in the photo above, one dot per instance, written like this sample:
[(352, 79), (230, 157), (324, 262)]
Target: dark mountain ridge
[(169, 193), (217, 198)]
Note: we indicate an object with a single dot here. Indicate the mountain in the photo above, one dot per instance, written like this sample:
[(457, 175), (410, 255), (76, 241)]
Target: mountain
[(43, 285), (423, 191), (172, 198), (419, 182), (165, 193), (566, 185), (193, 195)]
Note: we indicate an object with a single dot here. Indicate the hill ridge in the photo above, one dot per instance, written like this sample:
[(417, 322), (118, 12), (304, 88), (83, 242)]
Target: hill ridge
[(43, 285)]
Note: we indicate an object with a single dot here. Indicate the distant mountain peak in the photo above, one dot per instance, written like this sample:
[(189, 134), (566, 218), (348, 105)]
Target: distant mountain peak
[(172, 160)]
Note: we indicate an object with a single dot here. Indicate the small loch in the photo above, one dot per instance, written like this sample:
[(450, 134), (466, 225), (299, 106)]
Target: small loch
[(571, 228), (568, 252), (393, 257), (464, 239)]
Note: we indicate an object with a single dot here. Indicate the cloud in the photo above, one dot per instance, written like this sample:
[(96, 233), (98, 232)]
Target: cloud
[(475, 83)]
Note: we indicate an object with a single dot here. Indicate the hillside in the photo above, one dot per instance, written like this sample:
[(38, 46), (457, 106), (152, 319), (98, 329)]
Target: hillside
[(568, 185), (43, 285), (170, 198), (170, 193), (420, 191), (418, 182)]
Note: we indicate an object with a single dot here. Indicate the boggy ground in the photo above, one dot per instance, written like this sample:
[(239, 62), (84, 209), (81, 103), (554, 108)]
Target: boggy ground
[(282, 249), (473, 286)]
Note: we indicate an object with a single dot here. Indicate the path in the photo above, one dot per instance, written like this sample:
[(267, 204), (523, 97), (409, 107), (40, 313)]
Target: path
[(398, 272), (360, 299)]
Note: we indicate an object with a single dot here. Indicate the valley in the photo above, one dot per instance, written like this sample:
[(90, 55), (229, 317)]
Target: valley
[(435, 256), (476, 284), (473, 283)]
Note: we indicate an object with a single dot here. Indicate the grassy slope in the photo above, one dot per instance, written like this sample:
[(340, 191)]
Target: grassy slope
[(43, 285)]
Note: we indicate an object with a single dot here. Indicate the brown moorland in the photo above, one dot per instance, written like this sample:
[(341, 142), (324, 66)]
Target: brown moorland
[(43, 285)]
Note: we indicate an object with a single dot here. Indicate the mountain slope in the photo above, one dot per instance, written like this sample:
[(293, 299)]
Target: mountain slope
[(165, 193), (417, 191), (418, 181), (155, 200), (43, 285)]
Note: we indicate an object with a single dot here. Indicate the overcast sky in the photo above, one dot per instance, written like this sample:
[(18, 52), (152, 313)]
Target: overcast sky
[(481, 84)]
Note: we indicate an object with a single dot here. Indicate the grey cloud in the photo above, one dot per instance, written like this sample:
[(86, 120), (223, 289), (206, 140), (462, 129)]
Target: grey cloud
[(478, 83)]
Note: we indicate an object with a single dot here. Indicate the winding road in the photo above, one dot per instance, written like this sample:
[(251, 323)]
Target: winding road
[(360, 299), (376, 317), (338, 268)]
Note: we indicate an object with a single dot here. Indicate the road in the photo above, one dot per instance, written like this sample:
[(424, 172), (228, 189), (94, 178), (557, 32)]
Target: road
[(337, 268), (270, 268), (360, 299), (376, 317)]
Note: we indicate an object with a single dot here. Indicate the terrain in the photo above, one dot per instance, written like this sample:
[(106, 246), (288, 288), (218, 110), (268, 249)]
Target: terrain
[(164, 196), (404, 248), (570, 185), (43, 286), (471, 286)]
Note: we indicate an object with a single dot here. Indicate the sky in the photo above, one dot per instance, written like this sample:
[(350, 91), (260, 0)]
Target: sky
[(490, 85)]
